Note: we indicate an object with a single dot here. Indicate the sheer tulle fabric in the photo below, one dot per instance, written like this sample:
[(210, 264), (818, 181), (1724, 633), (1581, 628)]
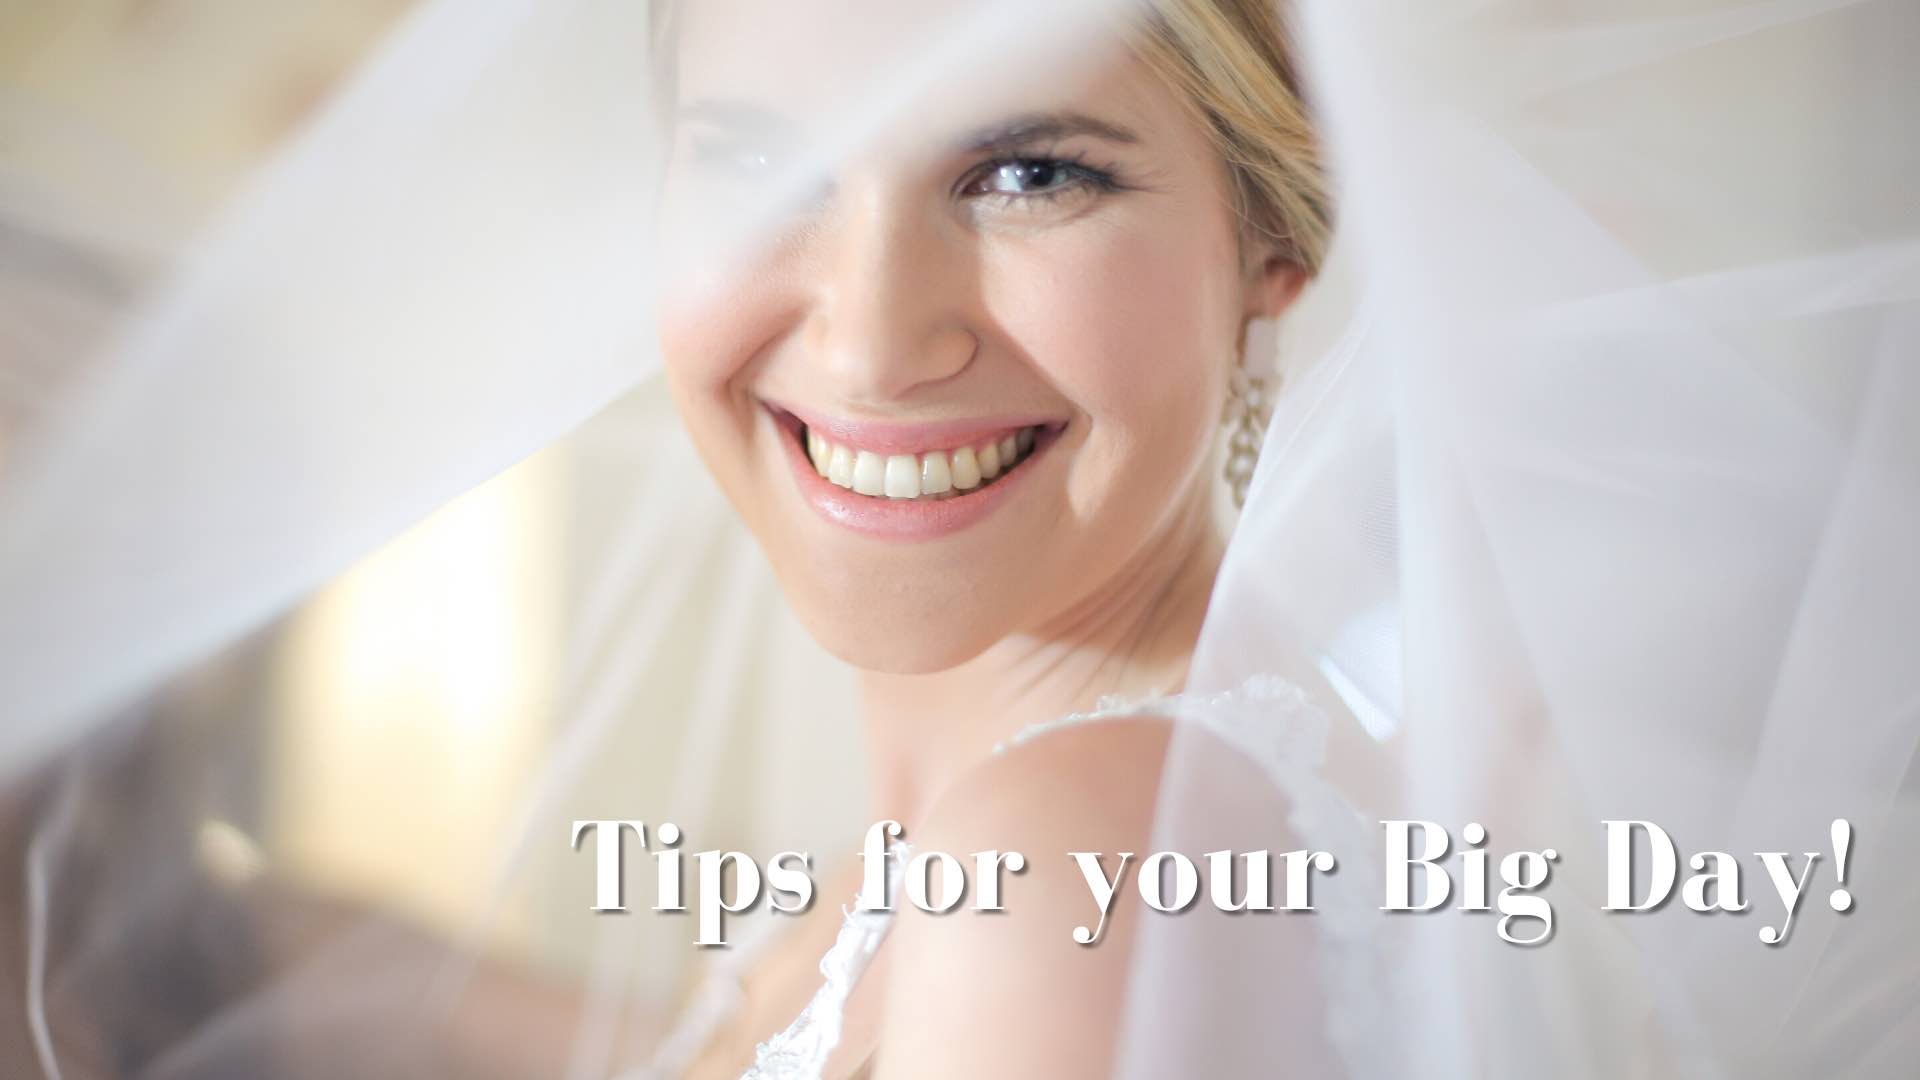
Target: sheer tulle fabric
[(1594, 493), (1603, 509)]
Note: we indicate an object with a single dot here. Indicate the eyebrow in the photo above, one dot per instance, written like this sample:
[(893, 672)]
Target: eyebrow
[(1022, 130), (1043, 127)]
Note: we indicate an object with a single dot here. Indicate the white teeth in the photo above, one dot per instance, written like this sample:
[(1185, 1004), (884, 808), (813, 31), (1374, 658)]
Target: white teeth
[(903, 477), (989, 456), (966, 471), (869, 473), (934, 474)]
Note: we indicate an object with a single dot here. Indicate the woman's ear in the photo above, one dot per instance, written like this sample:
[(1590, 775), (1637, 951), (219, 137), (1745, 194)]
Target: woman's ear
[(1273, 282)]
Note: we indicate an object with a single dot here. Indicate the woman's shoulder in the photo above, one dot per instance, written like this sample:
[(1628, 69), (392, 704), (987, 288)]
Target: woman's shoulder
[(1012, 992), (1039, 988), (1099, 773), (1091, 780), (1097, 777)]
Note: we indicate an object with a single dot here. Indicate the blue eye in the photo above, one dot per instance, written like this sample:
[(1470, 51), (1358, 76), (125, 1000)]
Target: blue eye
[(1035, 178), (1028, 177)]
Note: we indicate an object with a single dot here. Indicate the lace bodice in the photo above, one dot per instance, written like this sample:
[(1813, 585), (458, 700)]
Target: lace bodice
[(1268, 719)]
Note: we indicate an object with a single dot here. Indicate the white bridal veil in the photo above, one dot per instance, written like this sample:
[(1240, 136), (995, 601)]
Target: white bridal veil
[(349, 549)]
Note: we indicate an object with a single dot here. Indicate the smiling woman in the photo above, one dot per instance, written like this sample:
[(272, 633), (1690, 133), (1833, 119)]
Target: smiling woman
[(1062, 268), (900, 331), (967, 401)]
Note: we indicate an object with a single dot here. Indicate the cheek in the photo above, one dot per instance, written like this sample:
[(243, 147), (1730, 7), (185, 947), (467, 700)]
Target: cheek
[(1140, 337), (696, 380), (706, 351), (710, 335), (706, 333), (699, 355)]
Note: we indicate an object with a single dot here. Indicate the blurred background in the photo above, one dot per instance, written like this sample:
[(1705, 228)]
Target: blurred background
[(463, 691)]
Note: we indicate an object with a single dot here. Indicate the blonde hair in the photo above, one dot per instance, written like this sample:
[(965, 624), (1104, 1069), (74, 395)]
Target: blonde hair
[(1233, 61)]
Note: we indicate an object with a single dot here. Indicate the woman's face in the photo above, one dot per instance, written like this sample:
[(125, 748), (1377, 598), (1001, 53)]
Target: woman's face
[(972, 387)]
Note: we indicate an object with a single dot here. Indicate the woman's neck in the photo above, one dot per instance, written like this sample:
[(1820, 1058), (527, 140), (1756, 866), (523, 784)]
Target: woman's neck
[(1133, 638)]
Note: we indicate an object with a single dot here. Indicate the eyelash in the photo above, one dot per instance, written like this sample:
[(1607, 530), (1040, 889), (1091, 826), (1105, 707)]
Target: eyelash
[(1079, 176)]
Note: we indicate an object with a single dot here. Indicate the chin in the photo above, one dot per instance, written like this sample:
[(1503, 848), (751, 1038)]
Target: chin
[(916, 638)]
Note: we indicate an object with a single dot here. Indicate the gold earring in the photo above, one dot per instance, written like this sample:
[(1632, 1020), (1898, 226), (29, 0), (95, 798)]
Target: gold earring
[(1249, 410)]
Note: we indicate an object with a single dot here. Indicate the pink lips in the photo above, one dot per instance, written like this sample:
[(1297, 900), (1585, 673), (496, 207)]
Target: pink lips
[(904, 519), (911, 438)]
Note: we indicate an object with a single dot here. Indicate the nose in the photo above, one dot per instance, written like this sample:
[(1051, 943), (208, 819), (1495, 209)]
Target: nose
[(891, 307)]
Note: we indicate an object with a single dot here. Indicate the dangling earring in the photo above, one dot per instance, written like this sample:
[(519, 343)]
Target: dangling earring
[(1249, 409)]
